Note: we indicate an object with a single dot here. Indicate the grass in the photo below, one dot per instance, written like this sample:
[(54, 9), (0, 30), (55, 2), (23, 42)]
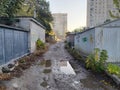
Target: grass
[(48, 63), (113, 69), (22, 61), (46, 71), (44, 84)]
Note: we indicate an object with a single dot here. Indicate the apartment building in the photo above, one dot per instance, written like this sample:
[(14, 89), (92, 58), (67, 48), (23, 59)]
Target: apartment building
[(60, 24), (98, 12)]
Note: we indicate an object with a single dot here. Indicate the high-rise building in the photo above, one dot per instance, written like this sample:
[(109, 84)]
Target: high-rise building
[(60, 24), (98, 12)]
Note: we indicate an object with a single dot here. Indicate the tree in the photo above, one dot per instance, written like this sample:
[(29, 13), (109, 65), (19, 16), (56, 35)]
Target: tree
[(9, 8), (79, 29), (44, 14), (117, 5), (37, 8), (40, 10)]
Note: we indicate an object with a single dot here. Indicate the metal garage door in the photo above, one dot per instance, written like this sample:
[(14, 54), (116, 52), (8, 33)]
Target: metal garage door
[(13, 44), (2, 59)]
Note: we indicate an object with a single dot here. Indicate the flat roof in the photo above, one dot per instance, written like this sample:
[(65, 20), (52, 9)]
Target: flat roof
[(11, 27), (29, 17), (32, 19)]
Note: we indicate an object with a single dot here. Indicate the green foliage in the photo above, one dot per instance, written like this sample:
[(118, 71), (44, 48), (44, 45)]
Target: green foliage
[(113, 69), (65, 41), (66, 46), (44, 14), (40, 44), (10, 7), (73, 52), (76, 54), (117, 4), (41, 8), (96, 61), (8, 21), (22, 61), (79, 29)]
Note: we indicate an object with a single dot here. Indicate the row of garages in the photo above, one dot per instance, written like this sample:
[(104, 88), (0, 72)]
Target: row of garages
[(17, 42), (105, 36)]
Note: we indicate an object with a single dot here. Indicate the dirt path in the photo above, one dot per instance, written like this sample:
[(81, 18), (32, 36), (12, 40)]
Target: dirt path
[(51, 77)]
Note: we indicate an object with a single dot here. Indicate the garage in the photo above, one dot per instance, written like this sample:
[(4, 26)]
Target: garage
[(13, 43)]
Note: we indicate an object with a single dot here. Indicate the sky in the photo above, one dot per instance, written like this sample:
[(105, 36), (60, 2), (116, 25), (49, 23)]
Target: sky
[(76, 10)]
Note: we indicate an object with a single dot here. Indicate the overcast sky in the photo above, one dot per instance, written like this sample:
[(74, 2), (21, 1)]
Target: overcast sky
[(76, 10)]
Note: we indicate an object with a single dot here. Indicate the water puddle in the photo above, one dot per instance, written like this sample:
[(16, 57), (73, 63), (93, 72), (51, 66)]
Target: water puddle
[(66, 68), (63, 67)]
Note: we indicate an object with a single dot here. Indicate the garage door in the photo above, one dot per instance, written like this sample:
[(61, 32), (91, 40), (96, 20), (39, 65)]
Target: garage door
[(13, 44)]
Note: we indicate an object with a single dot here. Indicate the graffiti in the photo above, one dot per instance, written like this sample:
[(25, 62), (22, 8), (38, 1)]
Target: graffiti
[(84, 39)]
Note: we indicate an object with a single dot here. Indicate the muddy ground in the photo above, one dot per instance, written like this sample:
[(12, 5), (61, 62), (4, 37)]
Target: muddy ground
[(42, 76)]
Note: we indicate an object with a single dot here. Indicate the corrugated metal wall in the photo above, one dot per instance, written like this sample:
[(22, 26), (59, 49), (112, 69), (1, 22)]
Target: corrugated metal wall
[(13, 44), (85, 41), (108, 38)]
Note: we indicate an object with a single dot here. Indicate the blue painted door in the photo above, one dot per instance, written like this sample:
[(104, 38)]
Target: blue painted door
[(16, 44), (8, 44), (2, 55), (25, 42), (13, 44)]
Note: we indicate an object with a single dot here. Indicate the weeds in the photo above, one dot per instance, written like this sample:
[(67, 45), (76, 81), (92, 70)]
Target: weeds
[(113, 69), (97, 60), (75, 53), (40, 45)]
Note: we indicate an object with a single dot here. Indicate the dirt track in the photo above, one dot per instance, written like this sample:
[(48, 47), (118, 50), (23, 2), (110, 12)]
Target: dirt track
[(36, 78)]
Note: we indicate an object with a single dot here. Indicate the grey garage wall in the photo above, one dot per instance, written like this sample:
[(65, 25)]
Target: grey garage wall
[(13, 44)]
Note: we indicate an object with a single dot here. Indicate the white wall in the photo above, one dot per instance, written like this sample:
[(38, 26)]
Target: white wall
[(36, 32), (24, 23)]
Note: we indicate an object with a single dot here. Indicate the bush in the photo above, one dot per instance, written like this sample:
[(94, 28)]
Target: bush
[(40, 45), (76, 54), (65, 41), (97, 60), (113, 69), (67, 46), (73, 52)]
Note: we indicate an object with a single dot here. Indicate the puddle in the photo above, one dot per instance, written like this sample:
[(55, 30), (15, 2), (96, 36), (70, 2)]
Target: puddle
[(63, 67), (66, 68)]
